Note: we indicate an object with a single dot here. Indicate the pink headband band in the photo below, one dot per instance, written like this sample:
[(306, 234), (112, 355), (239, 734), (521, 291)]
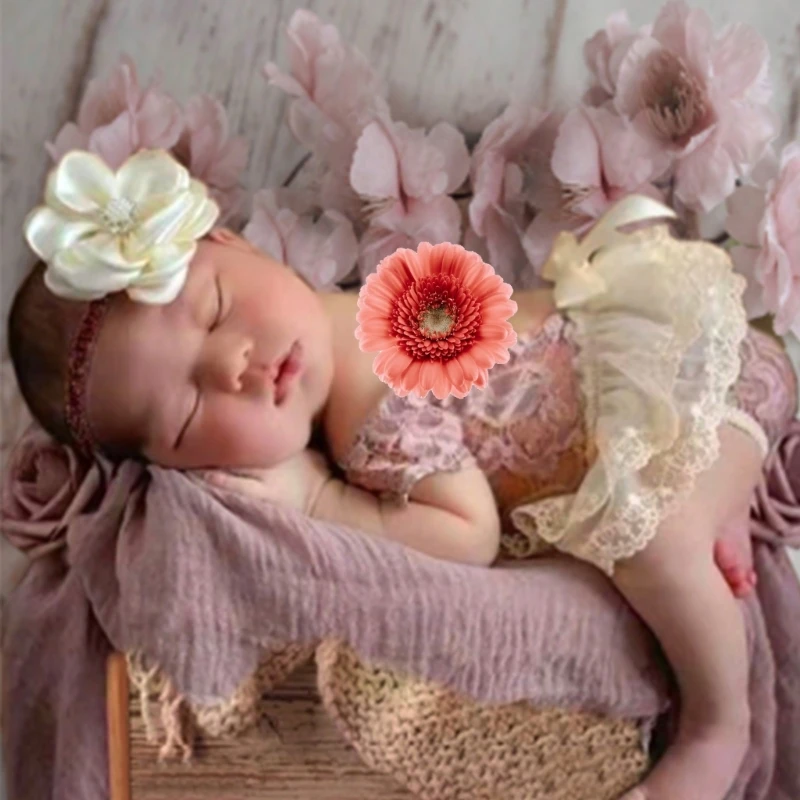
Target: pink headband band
[(78, 367)]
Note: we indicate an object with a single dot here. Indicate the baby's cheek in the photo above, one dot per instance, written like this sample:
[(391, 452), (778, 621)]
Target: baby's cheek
[(244, 434)]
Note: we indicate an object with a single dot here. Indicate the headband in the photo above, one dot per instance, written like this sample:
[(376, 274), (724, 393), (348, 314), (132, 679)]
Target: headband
[(100, 232), (78, 368)]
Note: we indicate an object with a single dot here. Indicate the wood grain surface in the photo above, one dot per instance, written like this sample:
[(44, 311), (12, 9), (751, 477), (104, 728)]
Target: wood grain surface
[(295, 753)]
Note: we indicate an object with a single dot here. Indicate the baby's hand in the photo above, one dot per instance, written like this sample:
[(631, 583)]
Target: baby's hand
[(295, 482)]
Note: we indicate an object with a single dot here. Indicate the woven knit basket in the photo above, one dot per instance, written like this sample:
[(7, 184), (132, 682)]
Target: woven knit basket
[(445, 747), (435, 743)]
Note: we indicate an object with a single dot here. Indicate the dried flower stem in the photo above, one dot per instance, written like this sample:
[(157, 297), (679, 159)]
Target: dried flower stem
[(692, 224)]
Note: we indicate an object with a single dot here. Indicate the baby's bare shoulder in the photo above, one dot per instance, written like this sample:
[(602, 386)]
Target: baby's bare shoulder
[(534, 306)]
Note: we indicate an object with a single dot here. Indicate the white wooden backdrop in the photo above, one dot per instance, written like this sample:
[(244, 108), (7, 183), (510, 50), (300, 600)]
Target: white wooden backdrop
[(456, 60)]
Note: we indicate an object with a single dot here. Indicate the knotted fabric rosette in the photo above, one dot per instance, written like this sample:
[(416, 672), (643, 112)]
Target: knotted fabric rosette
[(437, 317), (136, 229)]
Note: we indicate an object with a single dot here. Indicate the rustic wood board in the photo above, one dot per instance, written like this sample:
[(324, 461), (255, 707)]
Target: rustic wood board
[(295, 752), (45, 57)]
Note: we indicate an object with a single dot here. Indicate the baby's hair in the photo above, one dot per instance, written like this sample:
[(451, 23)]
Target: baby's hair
[(40, 330)]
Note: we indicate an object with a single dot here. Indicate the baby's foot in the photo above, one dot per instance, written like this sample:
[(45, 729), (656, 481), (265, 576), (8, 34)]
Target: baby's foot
[(700, 765), (735, 566)]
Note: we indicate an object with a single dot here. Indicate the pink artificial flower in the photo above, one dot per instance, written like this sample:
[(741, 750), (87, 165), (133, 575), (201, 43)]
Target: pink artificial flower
[(603, 54), (117, 118), (704, 98), (45, 486), (322, 251), (598, 159), (14, 415), (336, 93), (404, 178), (775, 510), (438, 319), (501, 163), (211, 155), (765, 223)]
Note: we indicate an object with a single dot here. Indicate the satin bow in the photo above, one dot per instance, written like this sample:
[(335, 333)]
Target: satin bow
[(569, 264)]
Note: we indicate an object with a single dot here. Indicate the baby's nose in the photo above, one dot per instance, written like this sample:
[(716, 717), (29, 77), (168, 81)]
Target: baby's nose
[(225, 361)]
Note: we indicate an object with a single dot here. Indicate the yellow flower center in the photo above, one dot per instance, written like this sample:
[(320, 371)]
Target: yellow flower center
[(675, 99), (436, 321), (119, 216)]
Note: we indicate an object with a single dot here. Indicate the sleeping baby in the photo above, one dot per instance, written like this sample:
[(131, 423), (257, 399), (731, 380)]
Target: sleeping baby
[(615, 432)]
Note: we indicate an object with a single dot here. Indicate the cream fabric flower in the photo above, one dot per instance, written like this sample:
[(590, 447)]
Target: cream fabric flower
[(569, 265), (135, 229)]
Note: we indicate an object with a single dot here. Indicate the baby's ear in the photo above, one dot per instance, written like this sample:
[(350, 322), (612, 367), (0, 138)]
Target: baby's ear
[(227, 236)]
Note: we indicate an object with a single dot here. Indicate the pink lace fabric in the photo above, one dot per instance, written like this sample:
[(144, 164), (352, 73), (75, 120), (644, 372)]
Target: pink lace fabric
[(767, 385), (404, 440), (526, 429)]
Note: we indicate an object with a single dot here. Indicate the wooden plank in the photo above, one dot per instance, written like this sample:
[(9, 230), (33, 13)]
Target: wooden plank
[(792, 70), (555, 30), (118, 714), (46, 49), (295, 752)]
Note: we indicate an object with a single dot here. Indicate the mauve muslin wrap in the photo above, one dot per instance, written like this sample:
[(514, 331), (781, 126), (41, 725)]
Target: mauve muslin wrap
[(204, 581)]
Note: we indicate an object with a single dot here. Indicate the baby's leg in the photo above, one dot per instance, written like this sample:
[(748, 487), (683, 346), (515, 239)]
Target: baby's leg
[(680, 593)]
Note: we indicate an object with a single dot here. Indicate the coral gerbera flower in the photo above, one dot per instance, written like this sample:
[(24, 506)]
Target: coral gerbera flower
[(438, 318)]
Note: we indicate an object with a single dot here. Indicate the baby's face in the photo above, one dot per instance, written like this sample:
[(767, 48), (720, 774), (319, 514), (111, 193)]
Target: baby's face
[(205, 380)]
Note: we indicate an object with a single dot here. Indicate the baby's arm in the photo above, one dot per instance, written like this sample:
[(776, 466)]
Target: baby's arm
[(449, 515)]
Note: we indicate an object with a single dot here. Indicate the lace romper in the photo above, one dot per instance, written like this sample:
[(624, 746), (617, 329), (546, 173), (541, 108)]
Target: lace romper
[(601, 419)]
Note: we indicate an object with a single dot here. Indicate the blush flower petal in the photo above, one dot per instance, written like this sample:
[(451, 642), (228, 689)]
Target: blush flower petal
[(211, 154), (763, 220), (117, 117), (702, 97), (402, 176), (603, 53), (599, 157), (374, 172), (335, 94), (320, 246), (438, 319), (504, 169)]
